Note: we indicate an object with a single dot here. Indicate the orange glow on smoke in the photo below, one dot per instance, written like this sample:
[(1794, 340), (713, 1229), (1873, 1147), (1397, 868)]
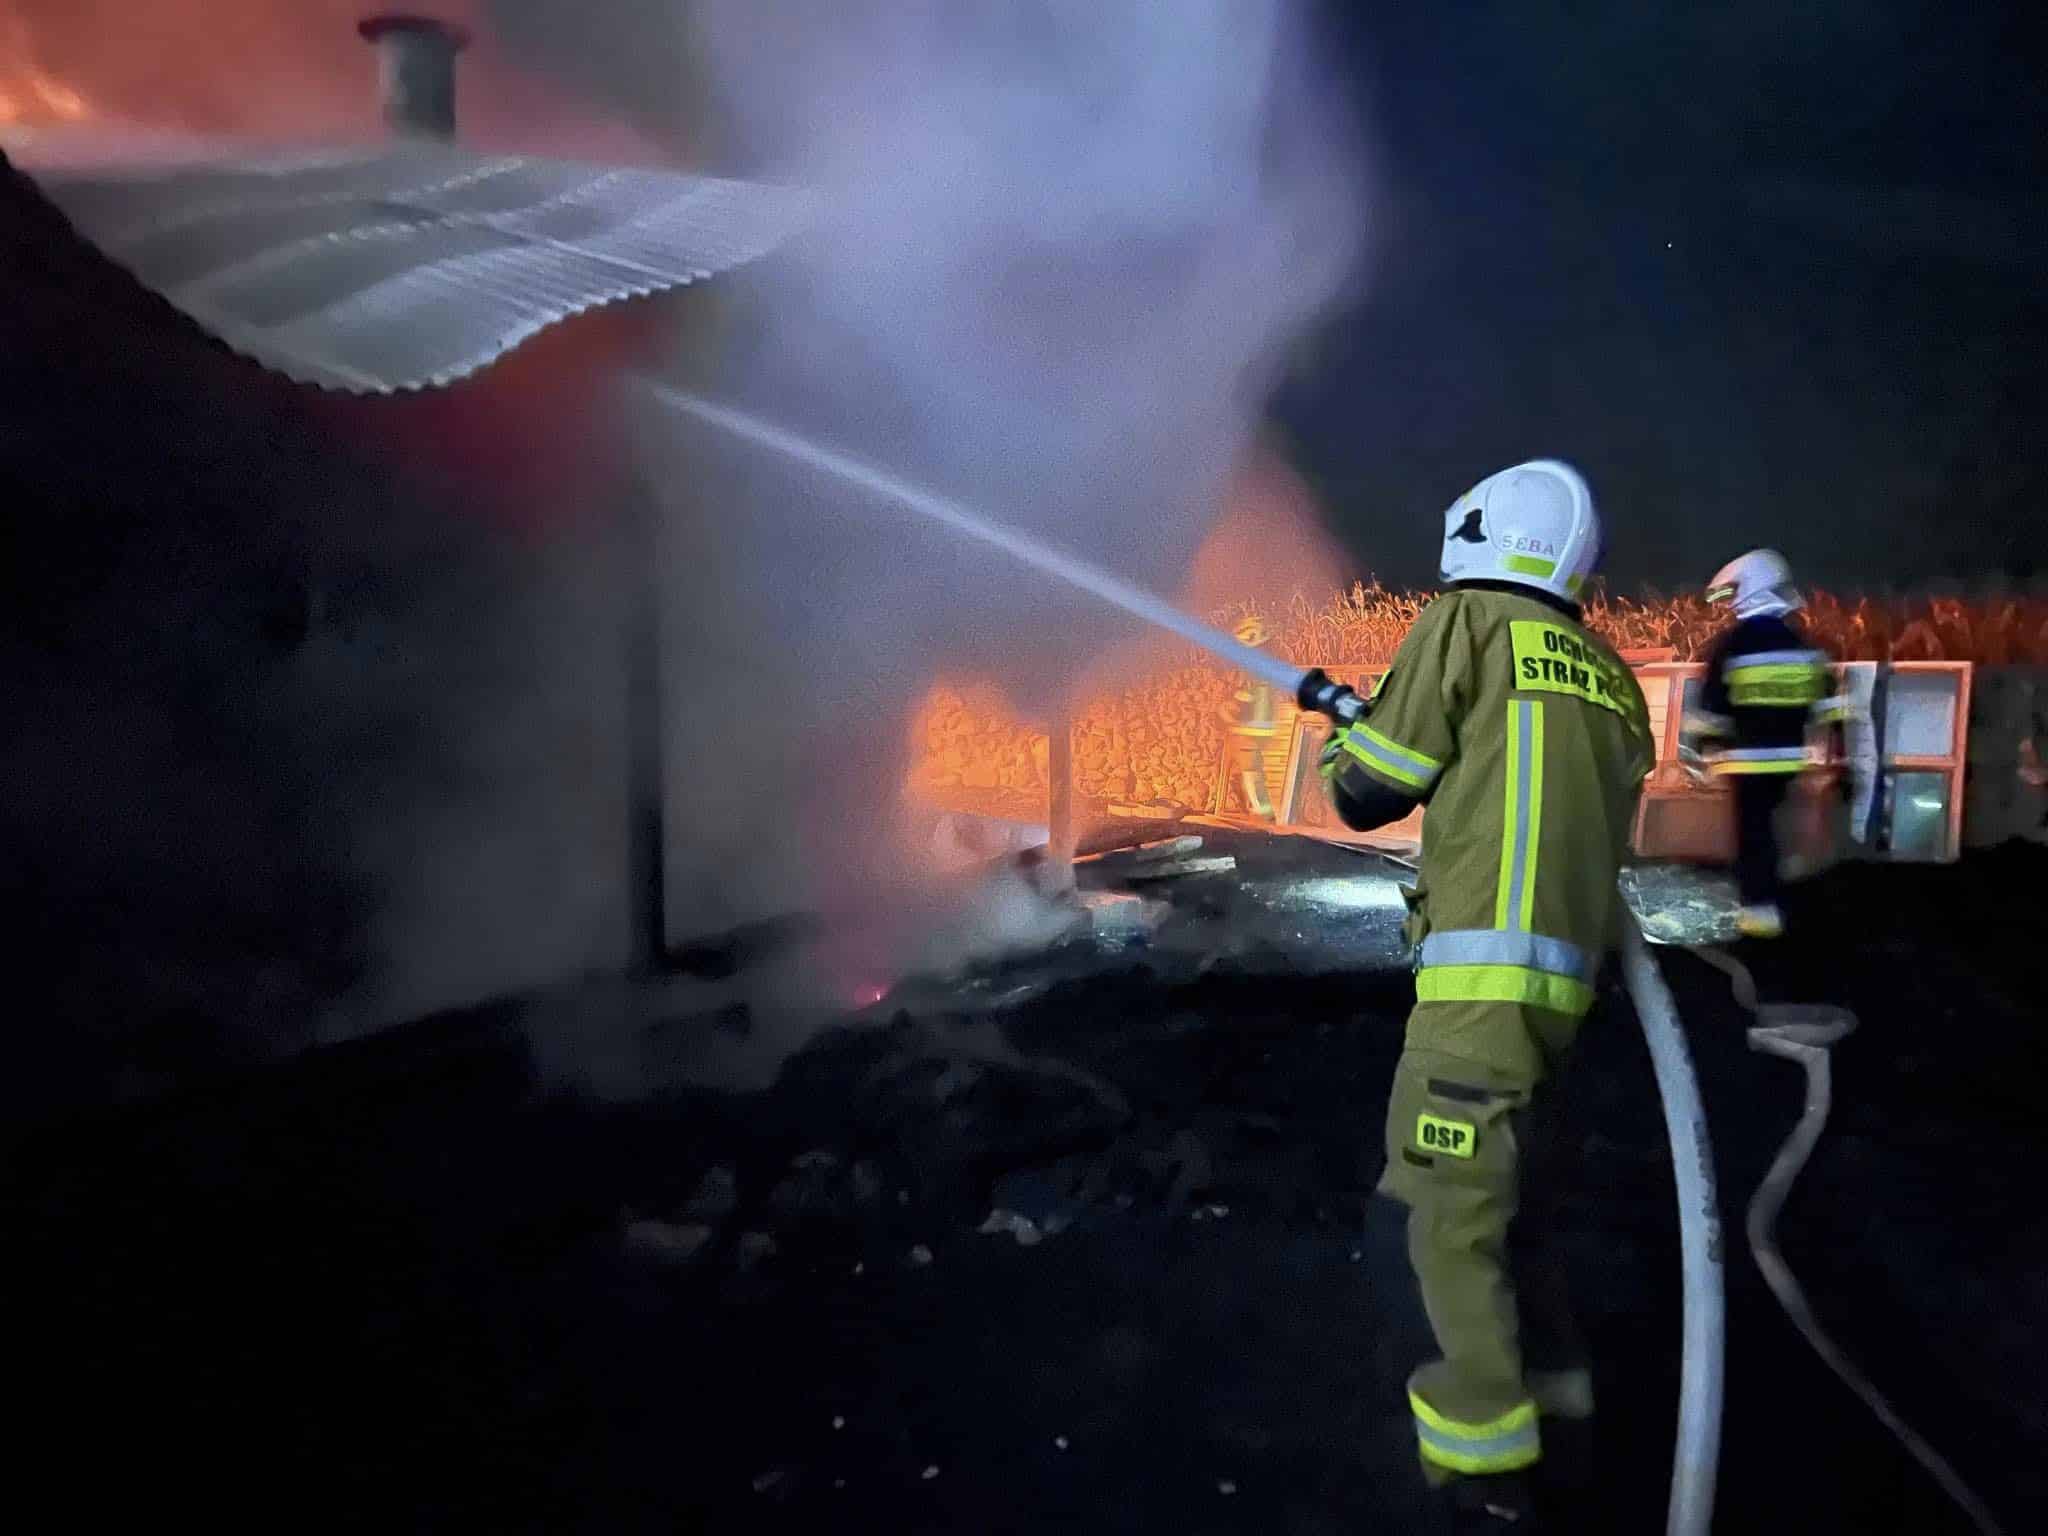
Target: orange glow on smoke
[(1269, 546), (30, 95), (1152, 722), (32, 98)]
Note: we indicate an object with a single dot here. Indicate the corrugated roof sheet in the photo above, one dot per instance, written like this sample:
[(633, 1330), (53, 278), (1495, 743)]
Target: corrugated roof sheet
[(403, 266)]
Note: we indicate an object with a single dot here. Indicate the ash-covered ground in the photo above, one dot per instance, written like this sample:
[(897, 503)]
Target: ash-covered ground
[(423, 1280)]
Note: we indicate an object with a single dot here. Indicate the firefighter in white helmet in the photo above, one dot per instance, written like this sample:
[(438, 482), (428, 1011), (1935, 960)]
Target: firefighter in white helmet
[(1766, 686), (1529, 741)]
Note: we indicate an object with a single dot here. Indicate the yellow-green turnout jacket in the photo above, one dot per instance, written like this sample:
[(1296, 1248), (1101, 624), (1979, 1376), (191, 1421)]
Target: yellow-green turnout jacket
[(1529, 740)]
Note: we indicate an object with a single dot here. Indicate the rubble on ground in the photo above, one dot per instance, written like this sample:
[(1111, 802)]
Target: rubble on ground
[(627, 1314)]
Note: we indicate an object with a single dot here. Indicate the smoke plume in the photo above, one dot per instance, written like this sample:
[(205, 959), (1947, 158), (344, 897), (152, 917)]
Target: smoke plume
[(1063, 250)]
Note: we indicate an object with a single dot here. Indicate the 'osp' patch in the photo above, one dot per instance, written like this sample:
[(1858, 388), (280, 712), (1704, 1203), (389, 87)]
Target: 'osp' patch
[(1451, 1138)]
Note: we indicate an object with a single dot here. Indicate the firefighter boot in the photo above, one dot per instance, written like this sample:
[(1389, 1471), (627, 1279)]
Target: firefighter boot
[(1498, 1504), (1762, 921)]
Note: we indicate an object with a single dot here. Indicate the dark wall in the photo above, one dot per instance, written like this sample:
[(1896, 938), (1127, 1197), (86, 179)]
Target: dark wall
[(231, 627)]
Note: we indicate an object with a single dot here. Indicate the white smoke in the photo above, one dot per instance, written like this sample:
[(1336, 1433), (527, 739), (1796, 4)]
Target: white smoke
[(1065, 244), (1062, 253)]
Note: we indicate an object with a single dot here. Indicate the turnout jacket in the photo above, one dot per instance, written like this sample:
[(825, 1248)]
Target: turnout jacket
[(1764, 686), (1529, 740)]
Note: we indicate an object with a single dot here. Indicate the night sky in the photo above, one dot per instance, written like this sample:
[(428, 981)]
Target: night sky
[(1767, 273)]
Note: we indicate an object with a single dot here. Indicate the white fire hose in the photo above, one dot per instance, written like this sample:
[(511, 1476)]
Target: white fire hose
[(1805, 1034), (1697, 1454)]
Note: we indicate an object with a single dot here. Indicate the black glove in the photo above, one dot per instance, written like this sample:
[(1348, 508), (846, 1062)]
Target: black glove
[(1320, 694)]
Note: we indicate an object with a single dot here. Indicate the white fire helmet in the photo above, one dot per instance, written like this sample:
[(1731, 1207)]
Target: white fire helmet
[(1756, 584), (1534, 525)]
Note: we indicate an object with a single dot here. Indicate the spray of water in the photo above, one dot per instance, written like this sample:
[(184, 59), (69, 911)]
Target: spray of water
[(1033, 552)]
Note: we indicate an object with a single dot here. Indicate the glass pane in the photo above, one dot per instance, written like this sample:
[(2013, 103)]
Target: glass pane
[(1920, 714), (1919, 816)]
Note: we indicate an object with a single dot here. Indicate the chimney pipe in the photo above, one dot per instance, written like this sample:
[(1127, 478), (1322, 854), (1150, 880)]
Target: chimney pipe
[(417, 64)]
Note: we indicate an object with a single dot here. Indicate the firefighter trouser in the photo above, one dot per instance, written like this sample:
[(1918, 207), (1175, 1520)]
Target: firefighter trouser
[(1758, 799), (1249, 756), (1469, 1142)]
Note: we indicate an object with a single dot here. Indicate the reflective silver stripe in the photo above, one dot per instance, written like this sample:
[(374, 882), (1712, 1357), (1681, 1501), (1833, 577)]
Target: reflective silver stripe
[(1383, 751), (1778, 659), (1491, 946), (1525, 769), (1704, 722), (1493, 1449), (1762, 755)]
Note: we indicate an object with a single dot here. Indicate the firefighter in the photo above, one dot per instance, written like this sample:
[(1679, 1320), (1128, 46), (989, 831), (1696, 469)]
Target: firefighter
[(1765, 688), (1251, 719), (1528, 740)]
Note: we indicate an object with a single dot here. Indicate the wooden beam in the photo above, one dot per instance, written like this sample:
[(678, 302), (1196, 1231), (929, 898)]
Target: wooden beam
[(1059, 773)]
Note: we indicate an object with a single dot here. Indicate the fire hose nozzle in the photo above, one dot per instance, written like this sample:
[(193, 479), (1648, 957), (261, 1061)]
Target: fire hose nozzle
[(1321, 694)]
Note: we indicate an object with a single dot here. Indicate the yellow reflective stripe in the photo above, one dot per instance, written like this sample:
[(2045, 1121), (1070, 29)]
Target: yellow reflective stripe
[(1529, 565), (1422, 760), (1510, 824), (1380, 763), (1780, 683), (1514, 901), (1384, 755), (1778, 672), (1772, 765), (1803, 657), (1770, 698), (1532, 835), (1503, 984), (1505, 1444)]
